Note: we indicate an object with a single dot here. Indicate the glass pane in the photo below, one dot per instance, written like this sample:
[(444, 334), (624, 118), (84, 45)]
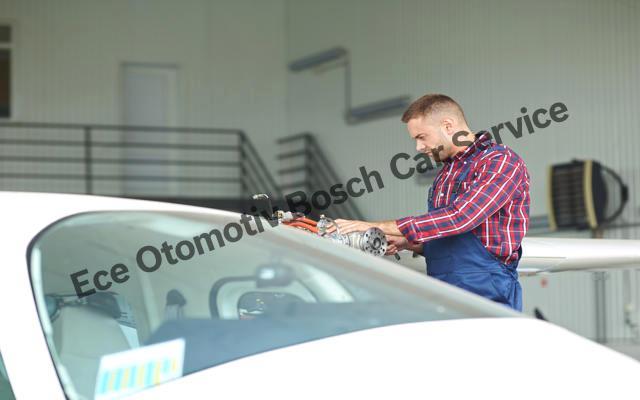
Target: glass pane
[(6, 393), (5, 83), (185, 276), (5, 34)]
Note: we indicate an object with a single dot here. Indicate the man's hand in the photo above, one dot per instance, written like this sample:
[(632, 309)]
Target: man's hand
[(396, 244)]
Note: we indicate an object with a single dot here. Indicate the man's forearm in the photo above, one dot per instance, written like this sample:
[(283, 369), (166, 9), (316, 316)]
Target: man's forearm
[(348, 226)]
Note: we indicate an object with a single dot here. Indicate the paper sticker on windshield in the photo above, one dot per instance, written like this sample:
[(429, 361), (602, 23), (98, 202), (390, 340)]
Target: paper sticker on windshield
[(121, 374)]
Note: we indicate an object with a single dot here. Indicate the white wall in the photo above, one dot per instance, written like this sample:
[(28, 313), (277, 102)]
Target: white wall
[(494, 57), (229, 54)]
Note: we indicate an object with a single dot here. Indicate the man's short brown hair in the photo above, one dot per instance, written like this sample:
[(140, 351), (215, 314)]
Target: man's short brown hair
[(430, 104)]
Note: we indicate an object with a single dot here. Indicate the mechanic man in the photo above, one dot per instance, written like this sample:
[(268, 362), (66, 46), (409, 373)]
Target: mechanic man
[(477, 210)]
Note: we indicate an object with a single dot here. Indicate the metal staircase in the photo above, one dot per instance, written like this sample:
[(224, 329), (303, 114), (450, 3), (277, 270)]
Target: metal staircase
[(305, 168)]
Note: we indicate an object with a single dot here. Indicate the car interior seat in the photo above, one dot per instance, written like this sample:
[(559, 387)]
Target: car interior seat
[(83, 334)]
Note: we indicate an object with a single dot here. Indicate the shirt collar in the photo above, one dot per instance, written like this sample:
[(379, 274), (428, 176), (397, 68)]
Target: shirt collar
[(481, 142)]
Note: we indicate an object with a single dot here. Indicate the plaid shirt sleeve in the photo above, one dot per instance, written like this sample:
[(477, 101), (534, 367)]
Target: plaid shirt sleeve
[(498, 178)]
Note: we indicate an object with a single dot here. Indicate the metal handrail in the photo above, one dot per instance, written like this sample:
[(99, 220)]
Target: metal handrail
[(107, 127), (248, 160), (268, 179), (321, 180)]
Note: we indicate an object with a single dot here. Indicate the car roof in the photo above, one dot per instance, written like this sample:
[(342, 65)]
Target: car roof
[(33, 211)]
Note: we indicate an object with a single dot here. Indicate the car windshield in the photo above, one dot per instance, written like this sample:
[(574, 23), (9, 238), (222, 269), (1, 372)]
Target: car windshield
[(132, 299)]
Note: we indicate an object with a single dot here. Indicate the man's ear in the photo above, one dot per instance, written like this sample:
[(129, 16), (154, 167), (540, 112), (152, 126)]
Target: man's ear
[(447, 124)]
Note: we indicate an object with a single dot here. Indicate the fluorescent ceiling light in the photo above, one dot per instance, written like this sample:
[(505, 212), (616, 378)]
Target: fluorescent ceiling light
[(316, 59), (378, 109)]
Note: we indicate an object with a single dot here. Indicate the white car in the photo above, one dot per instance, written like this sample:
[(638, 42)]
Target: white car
[(106, 298)]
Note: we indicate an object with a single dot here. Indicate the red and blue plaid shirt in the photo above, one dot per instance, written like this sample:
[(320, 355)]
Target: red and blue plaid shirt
[(493, 200)]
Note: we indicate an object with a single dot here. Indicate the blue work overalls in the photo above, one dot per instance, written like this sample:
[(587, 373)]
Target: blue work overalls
[(463, 261)]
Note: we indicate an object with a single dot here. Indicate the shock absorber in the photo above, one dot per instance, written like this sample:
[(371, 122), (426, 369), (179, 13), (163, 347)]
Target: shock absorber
[(372, 241)]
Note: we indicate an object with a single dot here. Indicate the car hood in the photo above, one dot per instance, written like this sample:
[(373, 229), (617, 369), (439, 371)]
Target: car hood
[(501, 358)]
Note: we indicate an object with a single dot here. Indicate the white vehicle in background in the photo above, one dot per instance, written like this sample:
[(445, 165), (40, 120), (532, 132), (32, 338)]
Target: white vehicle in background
[(104, 298)]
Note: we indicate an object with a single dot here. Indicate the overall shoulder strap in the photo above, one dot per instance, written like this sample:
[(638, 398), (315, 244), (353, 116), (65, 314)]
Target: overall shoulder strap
[(432, 188)]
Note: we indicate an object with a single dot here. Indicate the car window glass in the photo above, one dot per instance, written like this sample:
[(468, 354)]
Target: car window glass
[(6, 392), (129, 296)]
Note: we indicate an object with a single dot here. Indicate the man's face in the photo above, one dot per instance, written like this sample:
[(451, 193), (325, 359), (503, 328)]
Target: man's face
[(430, 137)]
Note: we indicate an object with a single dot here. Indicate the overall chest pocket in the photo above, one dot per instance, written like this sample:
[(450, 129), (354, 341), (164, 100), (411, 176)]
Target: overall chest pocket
[(446, 196)]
